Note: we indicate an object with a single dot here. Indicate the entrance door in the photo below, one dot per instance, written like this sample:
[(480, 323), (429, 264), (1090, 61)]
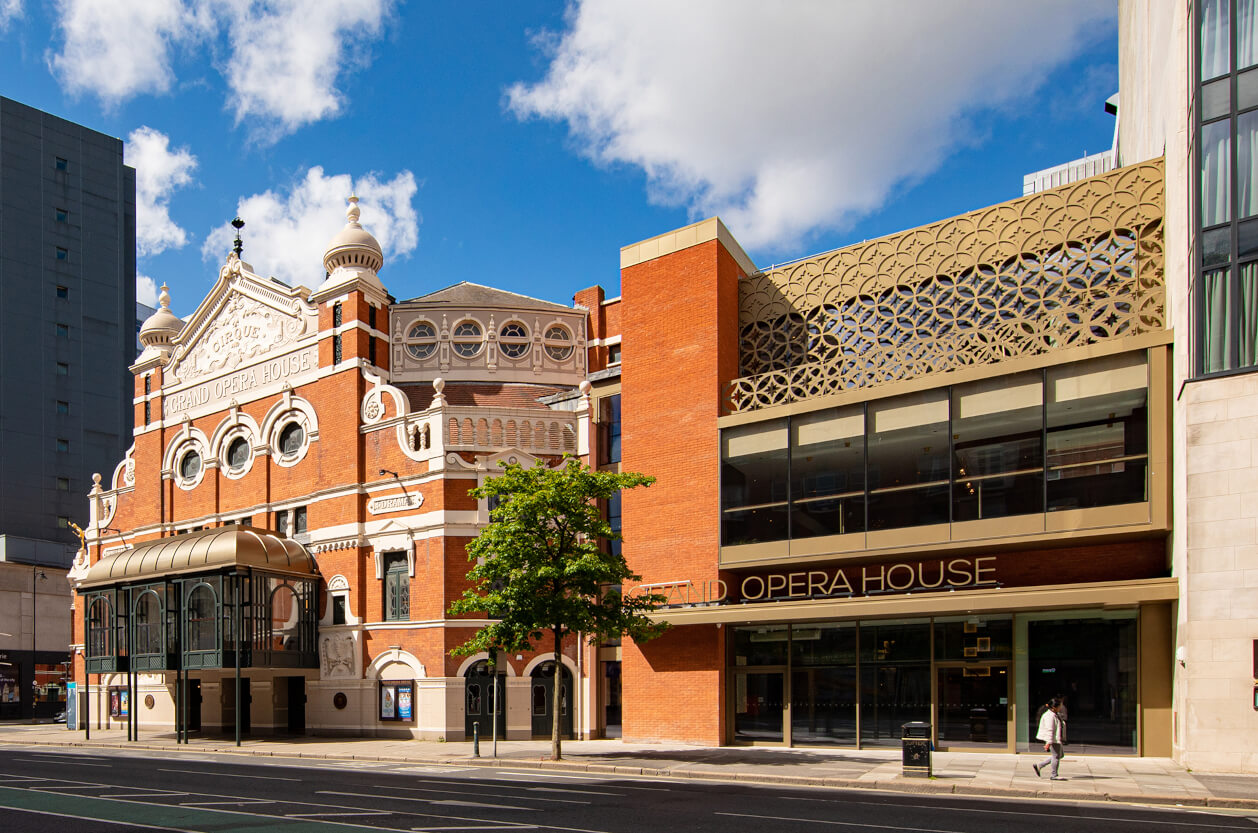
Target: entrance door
[(194, 705), (297, 705), (543, 698), (229, 704), (759, 706), (478, 701), (973, 705)]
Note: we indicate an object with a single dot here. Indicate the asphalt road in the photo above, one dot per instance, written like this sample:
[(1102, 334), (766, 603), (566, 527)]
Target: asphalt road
[(107, 792)]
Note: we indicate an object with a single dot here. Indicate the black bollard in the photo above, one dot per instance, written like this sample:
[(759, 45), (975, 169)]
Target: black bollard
[(476, 739)]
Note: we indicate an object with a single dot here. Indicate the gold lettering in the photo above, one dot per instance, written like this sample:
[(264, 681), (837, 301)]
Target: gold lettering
[(796, 585), (719, 586), (979, 569), (777, 582), (758, 594), (921, 575), (891, 580), (816, 583), (865, 580), (840, 582), (954, 570)]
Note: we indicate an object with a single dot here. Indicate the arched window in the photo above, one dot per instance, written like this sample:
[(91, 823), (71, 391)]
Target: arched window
[(100, 630), (513, 340), (291, 439), (558, 342), (467, 339), (148, 624), (285, 615), (421, 340), (238, 454), (202, 616)]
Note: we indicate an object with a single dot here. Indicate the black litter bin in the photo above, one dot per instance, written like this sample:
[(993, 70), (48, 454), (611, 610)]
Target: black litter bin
[(915, 738)]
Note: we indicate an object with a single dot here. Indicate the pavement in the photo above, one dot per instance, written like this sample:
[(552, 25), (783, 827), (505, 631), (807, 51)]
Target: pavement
[(1088, 778)]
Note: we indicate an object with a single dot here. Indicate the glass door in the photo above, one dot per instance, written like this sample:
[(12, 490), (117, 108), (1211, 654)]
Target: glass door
[(972, 705), (759, 706)]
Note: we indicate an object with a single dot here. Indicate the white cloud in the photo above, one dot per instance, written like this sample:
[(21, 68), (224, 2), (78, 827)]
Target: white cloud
[(281, 62), (10, 10), (287, 55), (146, 290), (119, 50), (787, 118), (158, 172), (285, 235)]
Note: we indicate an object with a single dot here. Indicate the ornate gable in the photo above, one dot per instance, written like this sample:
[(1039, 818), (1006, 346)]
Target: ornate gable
[(244, 319)]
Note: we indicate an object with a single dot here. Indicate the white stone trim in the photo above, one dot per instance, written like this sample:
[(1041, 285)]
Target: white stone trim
[(392, 656), (483, 655), (547, 657), (290, 408)]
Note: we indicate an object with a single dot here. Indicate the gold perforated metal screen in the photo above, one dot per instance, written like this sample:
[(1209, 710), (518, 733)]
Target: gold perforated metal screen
[(1075, 265)]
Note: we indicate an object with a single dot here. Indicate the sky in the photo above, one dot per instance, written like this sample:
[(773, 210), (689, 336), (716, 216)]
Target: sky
[(522, 144)]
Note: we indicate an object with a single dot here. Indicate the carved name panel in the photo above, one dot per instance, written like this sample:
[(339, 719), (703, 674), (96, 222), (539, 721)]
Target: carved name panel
[(262, 379)]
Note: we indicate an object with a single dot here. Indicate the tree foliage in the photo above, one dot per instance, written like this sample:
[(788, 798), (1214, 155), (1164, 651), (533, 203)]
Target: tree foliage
[(540, 568)]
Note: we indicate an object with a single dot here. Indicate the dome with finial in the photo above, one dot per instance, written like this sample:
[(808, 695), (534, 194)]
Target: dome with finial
[(353, 247), (162, 326)]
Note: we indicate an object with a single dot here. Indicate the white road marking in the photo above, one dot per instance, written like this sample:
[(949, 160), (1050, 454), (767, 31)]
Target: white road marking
[(99, 821), (231, 803), (841, 823), (446, 791), (315, 815), (229, 775), (480, 827), (37, 761), (151, 794)]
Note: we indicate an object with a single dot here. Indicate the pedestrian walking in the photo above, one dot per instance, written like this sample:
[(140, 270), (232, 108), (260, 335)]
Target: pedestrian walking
[(1053, 732)]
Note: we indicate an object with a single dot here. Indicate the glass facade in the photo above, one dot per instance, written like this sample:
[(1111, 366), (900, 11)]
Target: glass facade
[(1225, 145), (1074, 436), (857, 683)]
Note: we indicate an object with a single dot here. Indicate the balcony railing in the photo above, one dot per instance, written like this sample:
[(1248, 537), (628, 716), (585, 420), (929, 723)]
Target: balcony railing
[(1071, 266)]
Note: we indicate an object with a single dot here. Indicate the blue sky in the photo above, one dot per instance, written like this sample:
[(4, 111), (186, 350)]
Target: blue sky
[(521, 144)]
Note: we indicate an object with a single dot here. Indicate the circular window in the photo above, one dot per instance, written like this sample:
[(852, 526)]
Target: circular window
[(238, 454), (467, 338), (513, 340), (190, 466), (558, 343), (291, 439), (421, 340)]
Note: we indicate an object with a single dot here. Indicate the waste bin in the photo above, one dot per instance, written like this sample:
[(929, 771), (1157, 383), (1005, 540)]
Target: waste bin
[(915, 738), (978, 725)]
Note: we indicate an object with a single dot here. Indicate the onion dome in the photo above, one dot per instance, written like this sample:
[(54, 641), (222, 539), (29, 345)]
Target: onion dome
[(162, 326), (353, 247)]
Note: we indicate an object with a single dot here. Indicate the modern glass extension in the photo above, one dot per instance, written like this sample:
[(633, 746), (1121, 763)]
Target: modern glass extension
[(1070, 437), (977, 679)]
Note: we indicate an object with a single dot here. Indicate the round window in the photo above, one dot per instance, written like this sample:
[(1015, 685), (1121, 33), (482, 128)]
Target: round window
[(513, 340), (558, 343), (291, 439), (238, 454), (466, 337), (421, 340), (190, 465)]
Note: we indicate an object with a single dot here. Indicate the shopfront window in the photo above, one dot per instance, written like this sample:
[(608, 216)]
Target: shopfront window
[(997, 436), (823, 684), (754, 479), (828, 473), (908, 460), (894, 679)]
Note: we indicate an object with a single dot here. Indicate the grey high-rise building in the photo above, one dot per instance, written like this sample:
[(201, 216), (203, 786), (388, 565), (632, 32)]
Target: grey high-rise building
[(67, 323)]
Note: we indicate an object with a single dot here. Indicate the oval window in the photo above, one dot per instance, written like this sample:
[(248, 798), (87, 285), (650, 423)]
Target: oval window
[(238, 454), (291, 439), (190, 466)]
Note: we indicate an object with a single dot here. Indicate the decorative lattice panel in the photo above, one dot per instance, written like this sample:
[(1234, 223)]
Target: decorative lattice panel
[(1075, 265)]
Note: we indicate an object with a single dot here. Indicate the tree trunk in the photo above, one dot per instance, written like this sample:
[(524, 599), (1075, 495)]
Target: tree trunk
[(556, 743)]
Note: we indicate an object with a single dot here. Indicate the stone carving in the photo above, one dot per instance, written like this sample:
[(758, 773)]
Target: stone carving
[(395, 503), (242, 329), (1075, 265), (336, 656)]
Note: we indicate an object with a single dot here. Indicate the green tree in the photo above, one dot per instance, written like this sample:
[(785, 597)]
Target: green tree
[(540, 567)]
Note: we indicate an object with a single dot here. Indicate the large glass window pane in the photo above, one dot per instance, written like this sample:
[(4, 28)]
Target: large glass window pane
[(1216, 172), (828, 473), (973, 638), (759, 706), (823, 684), (1091, 663), (1246, 34), (1216, 321), (1214, 38), (908, 461), (762, 645), (754, 483), (1216, 99), (1247, 316), (997, 440), (1246, 90), (894, 679), (1098, 427), (201, 619), (973, 705), (1247, 164), (148, 624)]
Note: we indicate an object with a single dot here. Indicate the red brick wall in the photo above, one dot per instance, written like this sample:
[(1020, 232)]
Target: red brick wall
[(680, 314)]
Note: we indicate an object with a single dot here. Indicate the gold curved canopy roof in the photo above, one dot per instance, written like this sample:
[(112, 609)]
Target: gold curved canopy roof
[(206, 551)]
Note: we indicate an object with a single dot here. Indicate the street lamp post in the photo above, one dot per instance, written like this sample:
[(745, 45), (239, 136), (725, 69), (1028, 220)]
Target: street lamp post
[(40, 575)]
